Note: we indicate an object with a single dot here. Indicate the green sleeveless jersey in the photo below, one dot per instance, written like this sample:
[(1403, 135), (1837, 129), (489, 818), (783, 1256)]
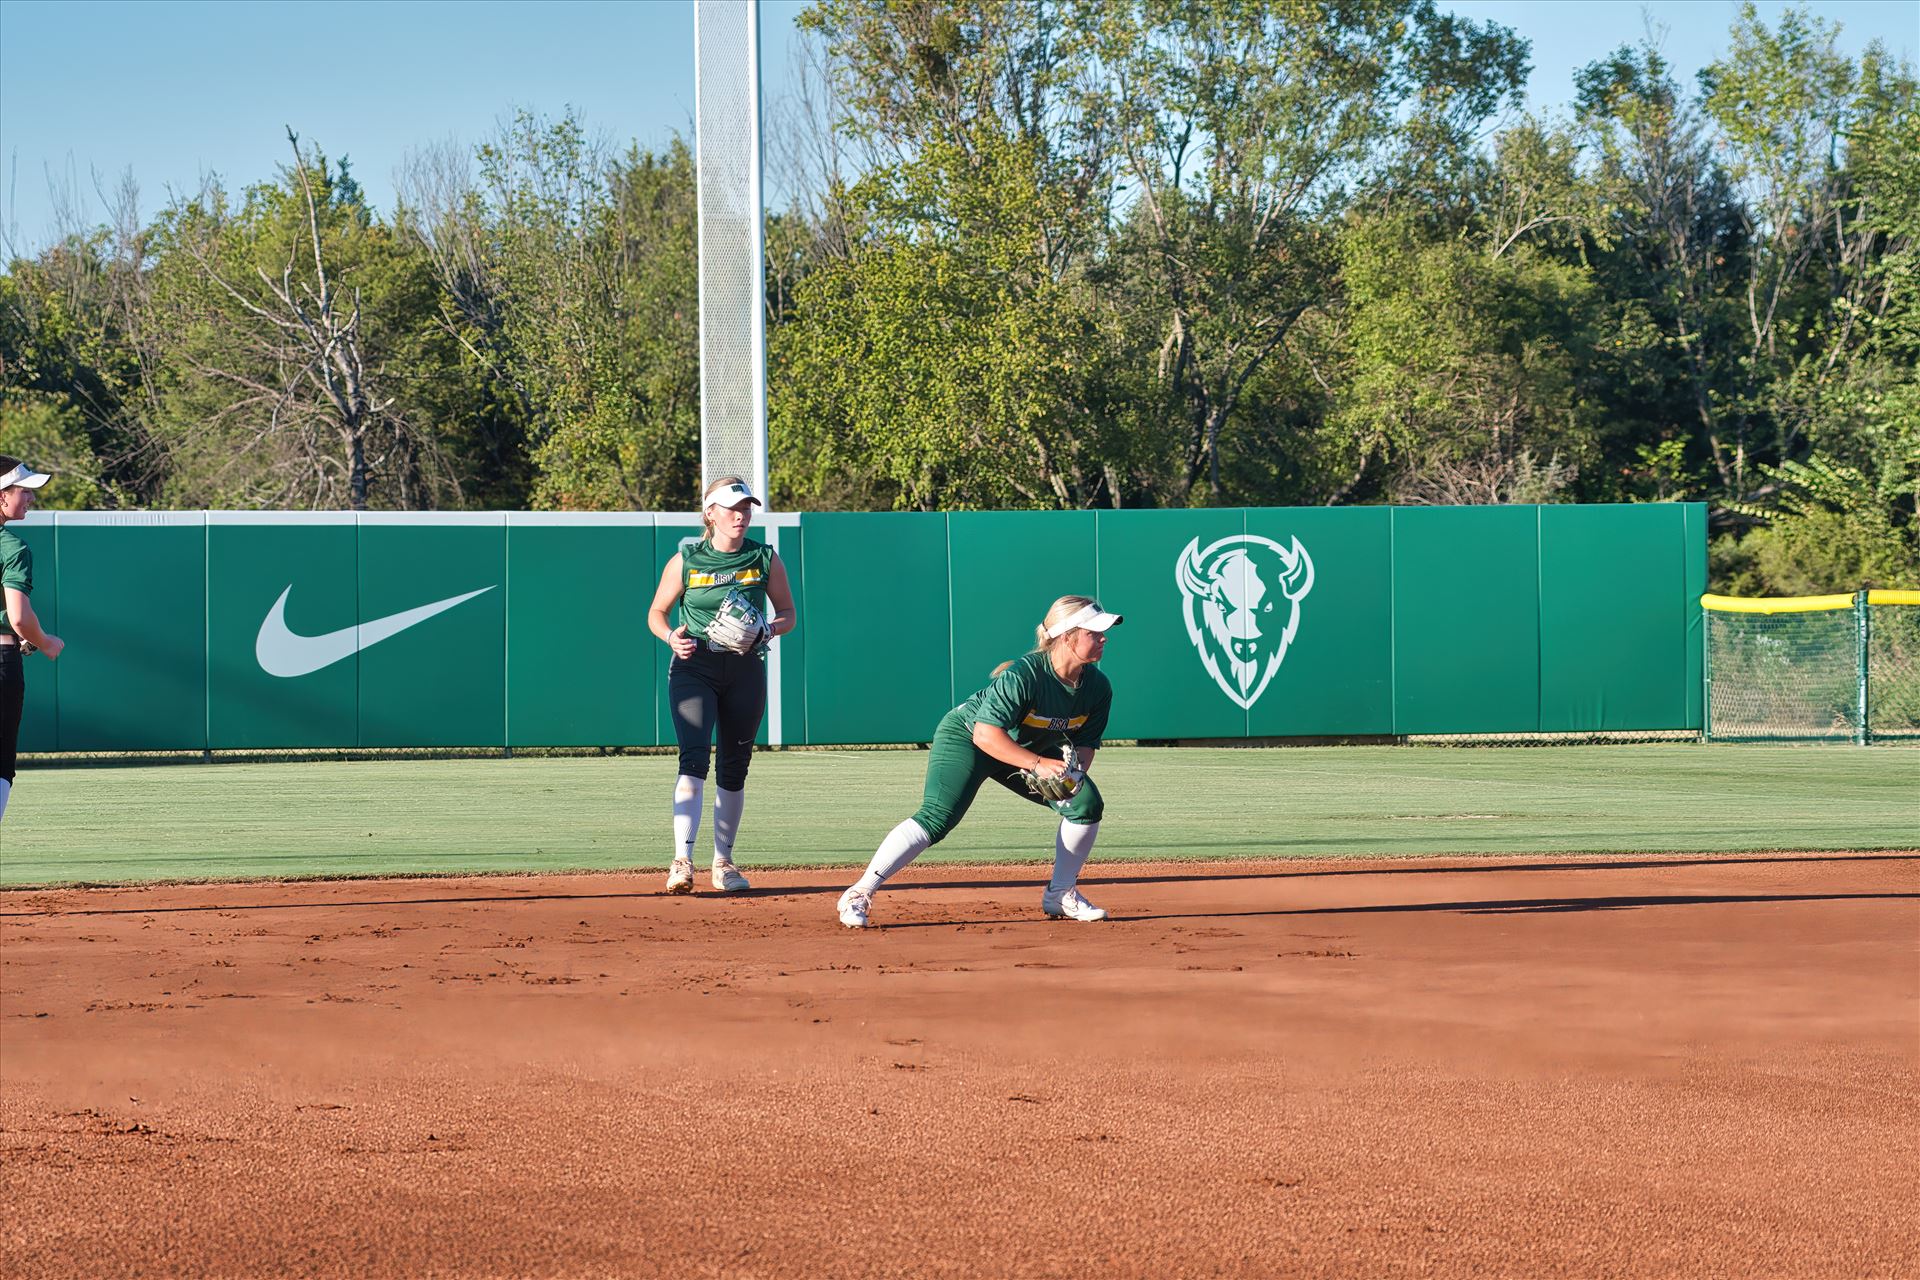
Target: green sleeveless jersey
[(16, 571), (1039, 710), (707, 575)]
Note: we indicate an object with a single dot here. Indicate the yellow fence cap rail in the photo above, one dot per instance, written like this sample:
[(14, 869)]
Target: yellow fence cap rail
[(1776, 604), (1801, 604)]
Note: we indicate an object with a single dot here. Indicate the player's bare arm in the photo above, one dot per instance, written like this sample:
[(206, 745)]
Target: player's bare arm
[(26, 624), (999, 744), (660, 613), (780, 595)]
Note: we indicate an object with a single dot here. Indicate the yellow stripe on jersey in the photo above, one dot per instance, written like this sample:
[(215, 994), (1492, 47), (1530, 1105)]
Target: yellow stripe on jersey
[(742, 578), (1034, 720)]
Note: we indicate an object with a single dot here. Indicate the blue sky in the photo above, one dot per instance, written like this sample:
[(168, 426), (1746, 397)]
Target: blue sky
[(173, 90)]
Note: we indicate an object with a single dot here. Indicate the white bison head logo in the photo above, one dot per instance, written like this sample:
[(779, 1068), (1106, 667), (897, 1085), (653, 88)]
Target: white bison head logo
[(1242, 607)]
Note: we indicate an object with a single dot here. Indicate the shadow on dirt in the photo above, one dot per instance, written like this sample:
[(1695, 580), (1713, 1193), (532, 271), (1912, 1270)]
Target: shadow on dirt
[(1517, 906), (1113, 875)]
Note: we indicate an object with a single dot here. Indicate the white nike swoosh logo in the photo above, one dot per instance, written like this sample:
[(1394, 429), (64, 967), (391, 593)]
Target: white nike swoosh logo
[(284, 653)]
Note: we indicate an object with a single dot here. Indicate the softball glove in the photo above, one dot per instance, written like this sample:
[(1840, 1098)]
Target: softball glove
[(1061, 786), (737, 626)]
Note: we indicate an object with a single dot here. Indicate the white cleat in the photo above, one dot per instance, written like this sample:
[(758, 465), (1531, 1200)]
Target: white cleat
[(680, 878), (854, 906), (1069, 905), (727, 878)]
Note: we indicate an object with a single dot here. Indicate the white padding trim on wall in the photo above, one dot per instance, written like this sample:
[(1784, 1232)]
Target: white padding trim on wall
[(777, 519), (282, 517), (130, 519), (435, 519), (578, 519)]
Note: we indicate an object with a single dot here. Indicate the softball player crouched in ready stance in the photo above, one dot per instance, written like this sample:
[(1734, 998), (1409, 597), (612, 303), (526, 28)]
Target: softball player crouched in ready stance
[(717, 682), (1034, 731)]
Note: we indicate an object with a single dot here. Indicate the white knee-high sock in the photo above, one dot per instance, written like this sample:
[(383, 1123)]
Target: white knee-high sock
[(903, 844), (686, 814), (6, 789), (1070, 849), (726, 821)]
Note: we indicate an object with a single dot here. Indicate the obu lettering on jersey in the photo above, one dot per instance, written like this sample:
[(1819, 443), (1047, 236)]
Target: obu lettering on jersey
[(1241, 599), (745, 577)]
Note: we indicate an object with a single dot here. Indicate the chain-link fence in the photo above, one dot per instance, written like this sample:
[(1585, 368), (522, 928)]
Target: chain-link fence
[(1842, 668), (1893, 669)]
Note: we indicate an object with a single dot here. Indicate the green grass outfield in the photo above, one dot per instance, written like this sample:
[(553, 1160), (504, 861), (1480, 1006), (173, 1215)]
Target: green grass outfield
[(117, 823)]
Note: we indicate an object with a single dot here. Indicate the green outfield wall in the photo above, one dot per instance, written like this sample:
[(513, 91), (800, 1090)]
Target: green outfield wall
[(238, 630)]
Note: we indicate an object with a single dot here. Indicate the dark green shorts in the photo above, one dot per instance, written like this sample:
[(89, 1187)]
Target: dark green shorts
[(955, 770)]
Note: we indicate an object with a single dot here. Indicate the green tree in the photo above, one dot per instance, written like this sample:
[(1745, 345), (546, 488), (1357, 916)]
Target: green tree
[(1245, 128), (1828, 527), (569, 281), (1467, 363), (52, 436), (292, 323), (934, 369), (1849, 516), (951, 352), (76, 357), (1856, 386), (1784, 101), (1669, 265)]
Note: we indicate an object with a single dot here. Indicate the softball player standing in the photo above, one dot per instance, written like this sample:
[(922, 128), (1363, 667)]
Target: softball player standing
[(1049, 699), (710, 690), (20, 631)]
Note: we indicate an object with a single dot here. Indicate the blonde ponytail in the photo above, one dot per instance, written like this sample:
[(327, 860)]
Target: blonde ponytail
[(1062, 609)]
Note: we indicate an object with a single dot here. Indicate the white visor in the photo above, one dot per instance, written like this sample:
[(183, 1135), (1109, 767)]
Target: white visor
[(732, 496), (1090, 617), (23, 476)]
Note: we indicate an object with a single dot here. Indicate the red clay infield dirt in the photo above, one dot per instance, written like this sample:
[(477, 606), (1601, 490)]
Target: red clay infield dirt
[(1591, 1067)]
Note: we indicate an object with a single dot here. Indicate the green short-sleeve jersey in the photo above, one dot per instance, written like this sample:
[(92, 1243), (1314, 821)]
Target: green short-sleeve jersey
[(1039, 710), (707, 575), (16, 571)]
